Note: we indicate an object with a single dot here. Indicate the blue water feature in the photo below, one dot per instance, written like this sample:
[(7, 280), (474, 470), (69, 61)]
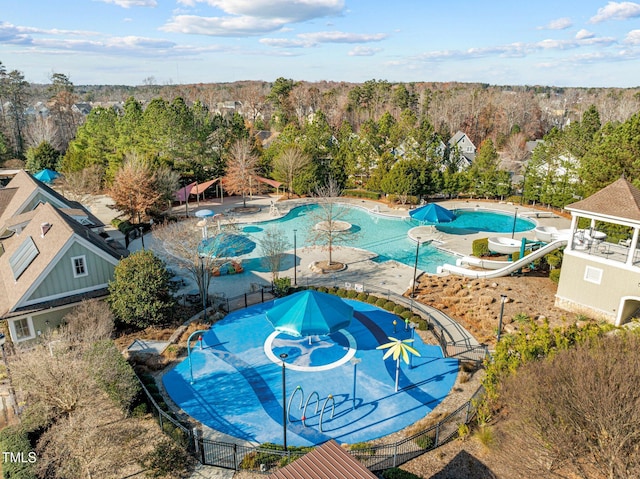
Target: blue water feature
[(383, 235), (237, 386)]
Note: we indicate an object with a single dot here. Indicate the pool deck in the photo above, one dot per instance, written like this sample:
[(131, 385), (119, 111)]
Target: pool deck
[(392, 276)]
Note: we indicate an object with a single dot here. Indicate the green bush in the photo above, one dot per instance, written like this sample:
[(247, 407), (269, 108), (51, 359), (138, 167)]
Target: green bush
[(322, 289), (372, 299), (113, 373), (480, 247), (115, 222), (124, 227), (406, 314), (15, 439), (554, 275), (397, 473), (166, 459), (372, 195), (342, 293), (425, 441), (140, 410), (352, 294), (362, 296), (281, 286), (389, 305), (515, 256), (399, 309), (380, 302)]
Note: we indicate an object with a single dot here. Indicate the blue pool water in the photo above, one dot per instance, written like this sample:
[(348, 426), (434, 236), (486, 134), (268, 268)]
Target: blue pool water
[(387, 236), (237, 374)]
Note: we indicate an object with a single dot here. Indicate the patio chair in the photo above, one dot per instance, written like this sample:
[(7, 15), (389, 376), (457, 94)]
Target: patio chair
[(625, 242)]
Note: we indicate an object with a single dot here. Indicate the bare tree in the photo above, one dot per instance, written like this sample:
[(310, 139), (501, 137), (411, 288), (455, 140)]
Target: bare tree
[(90, 321), (179, 244), (83, 185), (274, 243), (289, 164), (241, 170), (329, 226), (579, 412)]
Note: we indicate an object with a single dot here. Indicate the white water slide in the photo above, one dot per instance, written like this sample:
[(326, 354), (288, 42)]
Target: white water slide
[(509, 267)]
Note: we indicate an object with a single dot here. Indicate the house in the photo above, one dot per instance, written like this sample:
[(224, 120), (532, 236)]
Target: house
[(48, 263), (23, 193), (328, 461), (465, 149), (601, 277), (51, 256)]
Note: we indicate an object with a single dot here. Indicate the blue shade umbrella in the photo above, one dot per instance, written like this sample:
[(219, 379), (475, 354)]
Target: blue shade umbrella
[(46, 175), (226, 245), (204, 213), (310, 313), (432, 213)]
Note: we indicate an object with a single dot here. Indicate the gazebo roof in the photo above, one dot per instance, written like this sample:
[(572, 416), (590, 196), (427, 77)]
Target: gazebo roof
[(618, 200)]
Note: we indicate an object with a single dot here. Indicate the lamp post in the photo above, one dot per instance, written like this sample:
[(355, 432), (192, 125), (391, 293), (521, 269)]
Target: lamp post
[(503, 299), (284, 356), (515, 218), (295, 259), (415, 268), (355, 361), (413, 327)]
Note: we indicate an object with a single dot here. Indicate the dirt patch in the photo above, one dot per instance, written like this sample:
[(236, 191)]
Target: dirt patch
[(476, 303)]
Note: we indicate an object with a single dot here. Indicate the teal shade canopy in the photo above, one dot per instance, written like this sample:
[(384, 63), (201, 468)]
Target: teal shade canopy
[(46, 175), (310, 313), (226, 245), (432, 213)]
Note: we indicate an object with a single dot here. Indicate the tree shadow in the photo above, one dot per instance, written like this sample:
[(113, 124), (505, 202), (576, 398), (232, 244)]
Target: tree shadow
[(464, 465)]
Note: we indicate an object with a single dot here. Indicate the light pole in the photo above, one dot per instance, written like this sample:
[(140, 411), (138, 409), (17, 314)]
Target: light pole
[(413, 327), (284, 356), (503, 299), (295, 259), (415, 268), (515, 218), (355, 361)]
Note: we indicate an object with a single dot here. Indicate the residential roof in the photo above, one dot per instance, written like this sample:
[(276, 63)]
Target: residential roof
[(328, 461), (25, 185), (62, 230), (619, 200)]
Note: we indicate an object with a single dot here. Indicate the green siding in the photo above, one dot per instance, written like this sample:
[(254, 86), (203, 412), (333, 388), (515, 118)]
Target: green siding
[(44, 199), (60, 279)]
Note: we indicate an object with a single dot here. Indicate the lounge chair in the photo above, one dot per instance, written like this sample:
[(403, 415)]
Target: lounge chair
[(625, 242)]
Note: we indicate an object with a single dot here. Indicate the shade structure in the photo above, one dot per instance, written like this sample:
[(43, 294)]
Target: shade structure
[(46, 175), (432, 213), (310, 313), (226, 245)]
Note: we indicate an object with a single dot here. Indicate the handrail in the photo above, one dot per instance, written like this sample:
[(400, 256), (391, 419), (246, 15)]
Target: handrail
[(199, 331), (333, 409), (298, 388), (304, 412)]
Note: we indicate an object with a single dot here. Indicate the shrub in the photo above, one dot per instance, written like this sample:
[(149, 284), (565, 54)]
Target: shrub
[(362, 296), (352, 293), (322, 289), (115, 222), (380, 302), (515, 256), (113, 373), (406, 314), (372, 195), (389, 305), (480, 247), (342, 293), (372, 299), (125, 227), (166, 458), (399, 309), (554, 275), (140, 410), (397, 473), (15, 439), (425, 441), (281, 286)]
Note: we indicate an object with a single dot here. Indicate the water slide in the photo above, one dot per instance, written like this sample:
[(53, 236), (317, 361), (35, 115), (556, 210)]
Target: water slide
[(510, 266)]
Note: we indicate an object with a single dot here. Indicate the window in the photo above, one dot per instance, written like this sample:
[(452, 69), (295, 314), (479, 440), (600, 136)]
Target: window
[(593, 275), (22, 327), (79, 264)]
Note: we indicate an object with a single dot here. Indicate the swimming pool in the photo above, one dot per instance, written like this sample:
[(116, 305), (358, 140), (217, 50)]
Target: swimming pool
[(237, 387), (387, 236)]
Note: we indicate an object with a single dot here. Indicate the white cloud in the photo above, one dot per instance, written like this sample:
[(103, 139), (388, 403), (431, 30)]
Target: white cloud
[(633, 37), (617, 11), (132, 3), (559, 24), (308, 40), (361, 51), (251, 17), (584, 34)]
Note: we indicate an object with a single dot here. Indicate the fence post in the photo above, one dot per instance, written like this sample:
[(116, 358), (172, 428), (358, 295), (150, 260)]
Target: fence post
[(466, 417), (262, 294), (194, 438), (228, 307), (436, 444), (245, 300), (395, 454), (235, 457), (160, 420)]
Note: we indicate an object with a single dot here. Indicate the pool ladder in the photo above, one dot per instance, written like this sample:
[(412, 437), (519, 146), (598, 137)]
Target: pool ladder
[(306, 405)]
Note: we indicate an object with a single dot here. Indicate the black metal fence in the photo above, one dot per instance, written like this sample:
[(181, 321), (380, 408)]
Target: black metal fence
[(376, 456)]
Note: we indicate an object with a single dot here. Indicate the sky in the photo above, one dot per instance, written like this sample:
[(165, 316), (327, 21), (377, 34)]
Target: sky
[(581, 43)]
